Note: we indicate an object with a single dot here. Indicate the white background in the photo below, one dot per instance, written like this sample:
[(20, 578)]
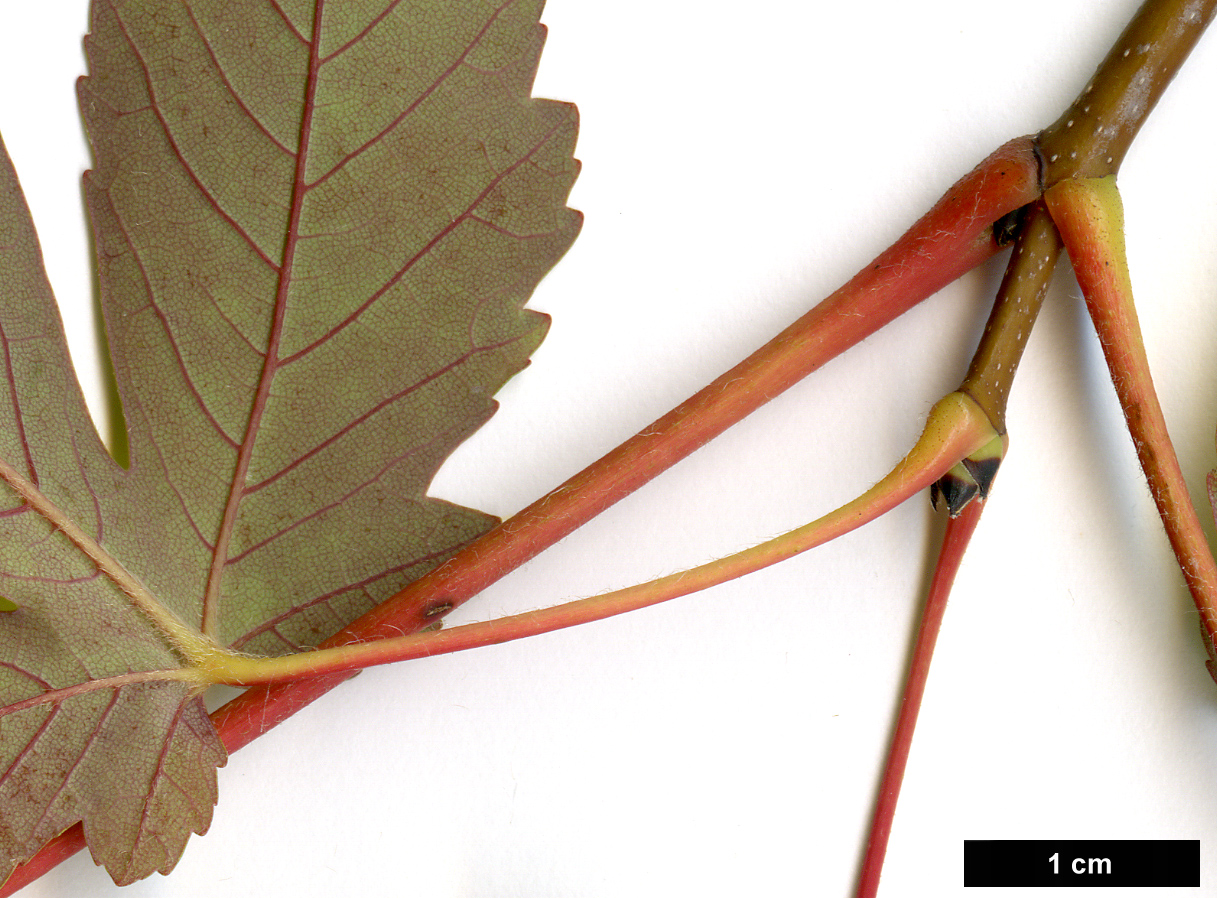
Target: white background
[(737, 167)]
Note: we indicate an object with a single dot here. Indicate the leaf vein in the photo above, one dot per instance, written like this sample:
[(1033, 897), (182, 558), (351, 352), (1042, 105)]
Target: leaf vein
[(99, 523), (35, 578), (18, 416), (219, 308), (370, 413), (288, 22), (67, 777), (236, 96), (187, 168), (161, 774), (30, 745), (384, 469), (431, 245), (236, 492), (186, 513), (362, 34), (170, 338), (426, 94), (57, 697), (272, 625)]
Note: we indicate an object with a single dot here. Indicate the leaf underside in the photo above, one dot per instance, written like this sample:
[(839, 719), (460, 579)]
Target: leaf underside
[(316, 225)]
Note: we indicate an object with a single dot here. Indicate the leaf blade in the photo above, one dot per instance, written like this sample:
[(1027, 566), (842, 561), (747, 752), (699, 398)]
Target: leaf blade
[(271, 495), (71, 646), (351, 258)]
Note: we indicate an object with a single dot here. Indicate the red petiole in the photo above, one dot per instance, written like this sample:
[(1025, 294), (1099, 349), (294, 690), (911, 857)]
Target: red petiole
[(941, 247)]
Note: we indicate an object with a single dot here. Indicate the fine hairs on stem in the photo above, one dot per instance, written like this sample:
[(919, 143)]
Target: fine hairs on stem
[(715, 744)]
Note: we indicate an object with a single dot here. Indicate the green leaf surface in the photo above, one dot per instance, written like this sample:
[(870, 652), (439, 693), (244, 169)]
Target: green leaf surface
[(316, 226), (77, 654)]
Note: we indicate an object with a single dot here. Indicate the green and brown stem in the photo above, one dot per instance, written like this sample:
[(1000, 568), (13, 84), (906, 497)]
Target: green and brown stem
[(1081, 152), (1033, 259), (1090, 139), (1087, 142)]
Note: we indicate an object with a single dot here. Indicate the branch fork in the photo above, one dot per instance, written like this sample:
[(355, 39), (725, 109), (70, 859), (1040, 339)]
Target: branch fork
[(1057, 189)]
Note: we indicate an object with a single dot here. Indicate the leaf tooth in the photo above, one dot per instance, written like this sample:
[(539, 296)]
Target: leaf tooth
[(443, 233)]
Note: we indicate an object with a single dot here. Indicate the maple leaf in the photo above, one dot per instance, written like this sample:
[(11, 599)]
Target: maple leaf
[(316, 227)]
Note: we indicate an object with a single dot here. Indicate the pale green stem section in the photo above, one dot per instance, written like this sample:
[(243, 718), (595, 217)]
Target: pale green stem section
[(195, 648), (1090, 217), (956, 429)]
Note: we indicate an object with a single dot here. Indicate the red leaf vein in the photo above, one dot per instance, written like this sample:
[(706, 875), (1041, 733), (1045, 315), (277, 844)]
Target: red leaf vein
[(96, 732), (432, 244), (362, 34), (237, 98), (360, 419), (384, 469), (18, 416), (431, 89), (211, 601), (288, 22), (204, 191), (186, 513)]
